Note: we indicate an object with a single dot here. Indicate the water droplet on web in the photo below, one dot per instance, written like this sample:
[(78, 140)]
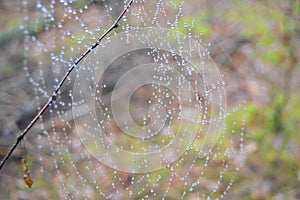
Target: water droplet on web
[(72, 28)]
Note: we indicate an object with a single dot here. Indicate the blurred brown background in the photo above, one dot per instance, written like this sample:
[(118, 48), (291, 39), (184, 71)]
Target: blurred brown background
[(255, 44)]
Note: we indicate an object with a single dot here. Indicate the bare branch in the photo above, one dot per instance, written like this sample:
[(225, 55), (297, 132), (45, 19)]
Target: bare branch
[(53, 96)]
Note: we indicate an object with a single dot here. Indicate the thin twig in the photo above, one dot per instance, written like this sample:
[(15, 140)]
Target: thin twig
[(53, 96)]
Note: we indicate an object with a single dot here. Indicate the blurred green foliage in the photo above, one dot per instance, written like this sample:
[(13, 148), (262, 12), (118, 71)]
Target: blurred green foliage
[(272, 126)]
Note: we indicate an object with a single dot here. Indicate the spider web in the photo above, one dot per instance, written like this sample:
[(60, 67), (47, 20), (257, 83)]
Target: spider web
[(63, 145)]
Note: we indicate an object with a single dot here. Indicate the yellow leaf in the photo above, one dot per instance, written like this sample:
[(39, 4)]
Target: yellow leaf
[(26, 174), (27, 179)]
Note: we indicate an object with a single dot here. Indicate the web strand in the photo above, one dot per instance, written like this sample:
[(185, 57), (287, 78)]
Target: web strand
[(57, 89)]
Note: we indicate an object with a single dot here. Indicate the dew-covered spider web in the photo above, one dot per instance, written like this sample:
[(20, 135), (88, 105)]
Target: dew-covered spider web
[(144, 116)]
